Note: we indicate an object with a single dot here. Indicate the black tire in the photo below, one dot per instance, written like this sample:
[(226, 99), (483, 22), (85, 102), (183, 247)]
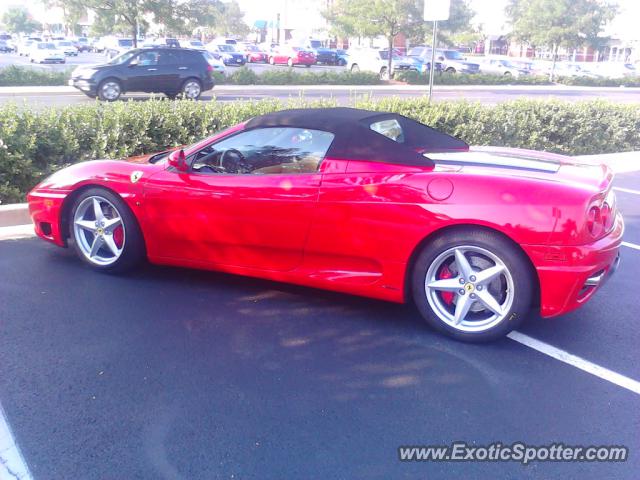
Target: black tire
[(524, 283), (134, 249), (451, 70), (102, 95), (355, 68), (188, 86), (384, 74)]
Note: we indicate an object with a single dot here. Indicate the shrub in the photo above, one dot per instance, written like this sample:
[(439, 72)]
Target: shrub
[(36, 143), (600, 82), (297, 76), (415, 78), (14, 76)]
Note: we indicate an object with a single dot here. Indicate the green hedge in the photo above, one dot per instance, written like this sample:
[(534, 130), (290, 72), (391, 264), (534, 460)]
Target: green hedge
[(36, 143), (415, 78), (13, 76)]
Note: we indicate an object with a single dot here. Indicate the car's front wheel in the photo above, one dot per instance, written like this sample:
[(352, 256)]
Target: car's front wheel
[(473, 285), (290, 62), (109, 90), (105, 232), (355, 68)]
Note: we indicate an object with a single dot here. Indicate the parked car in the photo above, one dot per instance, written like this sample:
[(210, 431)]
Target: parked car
[(343, 57), (172, 71), (323, 54), (24, 47), (614, 69), (567, 69), (475, 247), (6, 47), (67, 47), (292, 56), (216, 63), (82, 44), (117, 46), (371, 60), (452, 61), (500, 66), (193, 43), (254, 54), (45, 52), (227, 53)]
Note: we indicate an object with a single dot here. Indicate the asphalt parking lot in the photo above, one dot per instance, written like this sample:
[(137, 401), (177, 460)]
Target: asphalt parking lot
[(173, 373)]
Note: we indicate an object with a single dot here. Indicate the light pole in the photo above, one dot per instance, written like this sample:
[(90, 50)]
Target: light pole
[(435, 11), (433, 57)]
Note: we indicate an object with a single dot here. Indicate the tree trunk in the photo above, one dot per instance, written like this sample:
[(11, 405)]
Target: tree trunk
[(135, 33), (553, 65), (390, 59)]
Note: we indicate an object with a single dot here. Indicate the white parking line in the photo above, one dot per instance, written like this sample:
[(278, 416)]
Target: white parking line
[(626, 190), (631, 245), (578, 362), (12, 464)]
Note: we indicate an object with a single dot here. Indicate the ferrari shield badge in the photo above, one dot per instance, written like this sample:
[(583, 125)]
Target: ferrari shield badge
[(135, 176)]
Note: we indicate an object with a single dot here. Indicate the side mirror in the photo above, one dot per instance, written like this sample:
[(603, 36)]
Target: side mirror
[(177, 160)]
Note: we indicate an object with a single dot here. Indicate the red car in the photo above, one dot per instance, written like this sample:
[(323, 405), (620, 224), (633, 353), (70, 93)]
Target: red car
[(362, 202), (253, 54), (292, 56)]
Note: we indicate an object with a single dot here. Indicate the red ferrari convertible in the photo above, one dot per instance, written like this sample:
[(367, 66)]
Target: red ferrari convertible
[(361, 202)]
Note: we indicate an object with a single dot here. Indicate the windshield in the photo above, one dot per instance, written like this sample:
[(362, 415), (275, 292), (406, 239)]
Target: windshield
[(226, 48), (252, 48), (315, 43), (452, 55), (120, 59), (125, 42)]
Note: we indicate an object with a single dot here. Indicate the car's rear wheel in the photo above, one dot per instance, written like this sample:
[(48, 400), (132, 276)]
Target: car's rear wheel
[(105, 233), (290, 62), (191, 89), (272, 61), (384, 74), (355, 68), (450, 70), (109, 90), (473, 285)]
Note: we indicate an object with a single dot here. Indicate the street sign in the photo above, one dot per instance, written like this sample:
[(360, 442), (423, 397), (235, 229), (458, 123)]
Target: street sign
[(436, 10)]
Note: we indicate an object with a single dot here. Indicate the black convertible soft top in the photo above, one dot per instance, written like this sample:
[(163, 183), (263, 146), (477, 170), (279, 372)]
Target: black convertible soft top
[(354, 138)]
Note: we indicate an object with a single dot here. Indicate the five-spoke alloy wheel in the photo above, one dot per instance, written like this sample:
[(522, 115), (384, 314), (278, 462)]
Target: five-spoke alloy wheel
[(474, 285), (105, 233)]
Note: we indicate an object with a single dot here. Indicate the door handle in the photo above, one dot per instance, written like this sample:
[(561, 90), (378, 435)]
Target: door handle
[(151, 69), (182, 68)]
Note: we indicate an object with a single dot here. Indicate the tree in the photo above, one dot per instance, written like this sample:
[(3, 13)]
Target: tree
[(211, 17), (370, 18), (17, 20), (72, 10), (559, 23), (126, 13)]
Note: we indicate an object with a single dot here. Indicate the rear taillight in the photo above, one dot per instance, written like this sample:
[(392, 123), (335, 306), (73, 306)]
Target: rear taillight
[(209, 68), (594, 224)]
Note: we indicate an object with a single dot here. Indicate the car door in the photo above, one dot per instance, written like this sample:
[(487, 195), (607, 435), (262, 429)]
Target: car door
[(246, 201), (142, 72), (171, 67)]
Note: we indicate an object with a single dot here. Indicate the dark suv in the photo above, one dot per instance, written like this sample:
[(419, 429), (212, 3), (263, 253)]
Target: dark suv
[(172, 71)]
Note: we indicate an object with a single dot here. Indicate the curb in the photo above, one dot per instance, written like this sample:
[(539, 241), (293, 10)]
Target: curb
[(14, 214)]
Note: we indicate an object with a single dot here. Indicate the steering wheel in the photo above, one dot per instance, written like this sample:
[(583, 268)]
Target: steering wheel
[(230, 164)]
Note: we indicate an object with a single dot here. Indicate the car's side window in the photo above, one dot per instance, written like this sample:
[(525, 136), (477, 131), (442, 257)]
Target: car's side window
[(390, 129), (167, 57), (272, 150), (146, 59)]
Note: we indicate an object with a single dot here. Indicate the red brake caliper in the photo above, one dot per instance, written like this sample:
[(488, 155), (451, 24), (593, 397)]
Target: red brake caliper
[(118, 236), (447, 297)]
